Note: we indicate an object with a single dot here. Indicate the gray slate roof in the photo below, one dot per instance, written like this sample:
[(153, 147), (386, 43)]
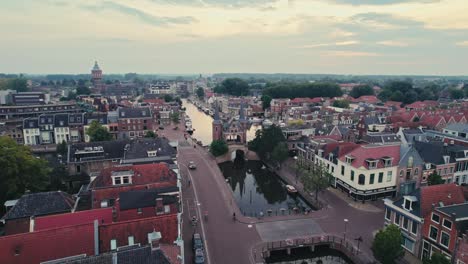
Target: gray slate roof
[(460, 127), (460, 210), (43, 203), (146, 198)]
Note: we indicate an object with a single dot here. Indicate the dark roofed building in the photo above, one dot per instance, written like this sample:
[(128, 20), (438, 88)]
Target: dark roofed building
[(94, 156), (17, 219), (134, 122)]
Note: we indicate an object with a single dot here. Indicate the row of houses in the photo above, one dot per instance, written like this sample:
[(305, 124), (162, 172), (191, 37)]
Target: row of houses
[(130, 211)]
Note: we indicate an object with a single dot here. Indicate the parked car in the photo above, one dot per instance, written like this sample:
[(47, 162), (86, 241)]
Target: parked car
[(199, 257), (197, 242), (161, 127), (192, 165)]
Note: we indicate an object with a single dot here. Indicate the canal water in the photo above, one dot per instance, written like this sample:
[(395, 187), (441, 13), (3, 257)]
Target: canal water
[(258, 191), (201, 122)]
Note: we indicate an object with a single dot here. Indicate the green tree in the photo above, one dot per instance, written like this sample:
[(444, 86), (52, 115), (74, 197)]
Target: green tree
[(397, 96), (98, 132), (341, 103), (293, 90), (175, 117), (436, 258), (361, 90), (456, 93), (233, 86), (200, 93), (150, 134), (218, 148), (266, 101), (62, 148), (168, 98), (265, 140), (83, 90), (280, 153), (387, 245), (21, 170), (315, 179), (435, 179)]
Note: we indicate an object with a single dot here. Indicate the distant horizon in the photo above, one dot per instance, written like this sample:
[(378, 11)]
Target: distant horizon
[(241, 73)]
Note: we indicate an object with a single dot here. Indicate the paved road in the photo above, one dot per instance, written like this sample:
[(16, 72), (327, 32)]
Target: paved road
[(232, 242), (227, 241)]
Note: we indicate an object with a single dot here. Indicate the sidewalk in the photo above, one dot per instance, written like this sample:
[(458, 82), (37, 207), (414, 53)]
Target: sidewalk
[(287, 173)]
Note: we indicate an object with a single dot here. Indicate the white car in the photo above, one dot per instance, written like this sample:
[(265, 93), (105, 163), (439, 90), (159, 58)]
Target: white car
[(192, 165)]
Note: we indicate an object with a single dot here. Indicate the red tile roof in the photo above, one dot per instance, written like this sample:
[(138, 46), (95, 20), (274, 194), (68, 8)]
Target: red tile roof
[(448, 194), (362, 153), (370, 99), (139, 229), (423, 104), (142, 174), (157, 101), (50, 244), (301, 100), (104, 215)]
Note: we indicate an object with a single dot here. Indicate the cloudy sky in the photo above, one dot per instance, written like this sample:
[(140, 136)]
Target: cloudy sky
[(209, 36)]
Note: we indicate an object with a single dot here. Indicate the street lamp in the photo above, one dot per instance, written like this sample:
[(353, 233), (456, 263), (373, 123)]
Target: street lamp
[(297, 167), (359, 240), (345, 225)]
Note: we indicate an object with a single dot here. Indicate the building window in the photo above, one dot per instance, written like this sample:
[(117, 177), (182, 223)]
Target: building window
[(352, 175), (139, 211), (389, 176), (405, 223), (117, 181), (125, 180), (388, 214), (167, 209), (380, 177), (426, 250), (397, 219), (131, 240), (401, 173), (342, 170), (113, 244), (444, 239), (435, 218), (447, 224), (414, 227), (362, 179), (408, 244), (445, 171), (433, 233), (416, 172)]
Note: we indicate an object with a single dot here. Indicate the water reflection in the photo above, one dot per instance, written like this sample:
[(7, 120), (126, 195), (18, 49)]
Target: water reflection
[(201, 122), (258, 190)]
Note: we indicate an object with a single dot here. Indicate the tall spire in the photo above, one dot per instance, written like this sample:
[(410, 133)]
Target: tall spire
[(242, 111), (216, 113)]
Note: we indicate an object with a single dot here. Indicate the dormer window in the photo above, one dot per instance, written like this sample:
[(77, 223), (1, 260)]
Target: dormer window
[(320, 152), (122, 177), (152, 153), (408, 202), (372, 163), (387, 161), (349, 159), (330, 157), (447, 159)]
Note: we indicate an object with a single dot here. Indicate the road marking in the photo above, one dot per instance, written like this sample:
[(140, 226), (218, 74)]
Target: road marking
[(199, 213)]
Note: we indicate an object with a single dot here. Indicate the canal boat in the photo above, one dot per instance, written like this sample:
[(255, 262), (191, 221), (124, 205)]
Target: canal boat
[(291, 189)]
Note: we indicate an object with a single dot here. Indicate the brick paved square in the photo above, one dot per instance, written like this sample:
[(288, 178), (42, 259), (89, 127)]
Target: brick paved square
[(280, 230)]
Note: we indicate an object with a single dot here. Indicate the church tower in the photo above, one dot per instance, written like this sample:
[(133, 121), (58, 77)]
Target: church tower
[(96, 74), (217, 125), (244, 123)]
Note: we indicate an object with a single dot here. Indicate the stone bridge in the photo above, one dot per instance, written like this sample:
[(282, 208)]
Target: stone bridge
[(233, 148)]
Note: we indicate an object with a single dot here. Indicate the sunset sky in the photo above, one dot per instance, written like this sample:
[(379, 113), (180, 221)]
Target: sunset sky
[(257, 36)]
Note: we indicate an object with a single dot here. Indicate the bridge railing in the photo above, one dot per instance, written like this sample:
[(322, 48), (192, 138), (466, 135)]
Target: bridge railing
[(335, 242)]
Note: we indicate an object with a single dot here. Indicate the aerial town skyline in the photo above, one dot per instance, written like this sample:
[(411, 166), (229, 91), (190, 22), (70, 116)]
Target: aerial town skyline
[(421, 37)]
